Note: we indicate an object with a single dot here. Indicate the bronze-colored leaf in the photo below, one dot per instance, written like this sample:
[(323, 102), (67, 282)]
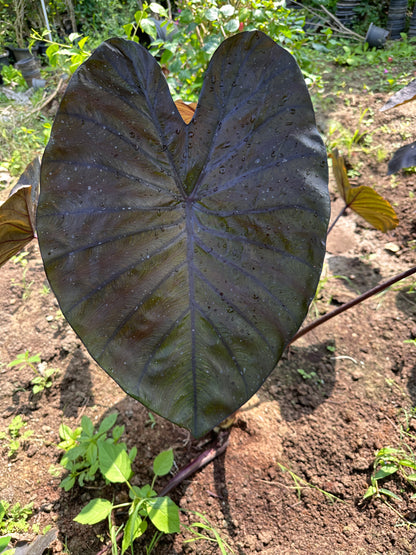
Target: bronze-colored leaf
[(186, 110), (365, 201), (17, 213), (340, 173), (406, 94)]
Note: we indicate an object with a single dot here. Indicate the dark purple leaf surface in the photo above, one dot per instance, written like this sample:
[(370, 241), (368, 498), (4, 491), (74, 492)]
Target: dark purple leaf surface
[(185, 256), (404, 157)]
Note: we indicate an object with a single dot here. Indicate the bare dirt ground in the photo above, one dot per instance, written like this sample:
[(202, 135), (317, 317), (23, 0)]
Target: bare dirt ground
[(338, 395)]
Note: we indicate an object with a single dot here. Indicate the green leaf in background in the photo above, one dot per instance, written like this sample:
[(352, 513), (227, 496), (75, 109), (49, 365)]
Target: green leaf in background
[(232, 25), (96, 511), (212, 14), (185, 256), (227, 10)]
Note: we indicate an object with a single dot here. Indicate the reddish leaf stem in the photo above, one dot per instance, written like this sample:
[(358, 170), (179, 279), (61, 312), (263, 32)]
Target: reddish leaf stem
[(204, 458), (336, 219), (352, 303)]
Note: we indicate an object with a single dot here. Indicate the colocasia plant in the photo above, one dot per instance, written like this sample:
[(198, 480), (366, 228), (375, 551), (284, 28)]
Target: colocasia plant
[(185, 254)]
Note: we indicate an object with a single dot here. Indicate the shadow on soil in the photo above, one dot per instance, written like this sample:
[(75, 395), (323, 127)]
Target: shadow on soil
[(303, 379), (356, 275)]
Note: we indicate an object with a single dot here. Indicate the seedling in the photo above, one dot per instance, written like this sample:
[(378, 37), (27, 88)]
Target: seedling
[(323, 280), (397, 461), (412, 341), (15, 437), (81, 446), (43, 379), (25, 285), (391, 461), (151, 420), (14, 519), (301, 484), (312, 376), (209, 534)]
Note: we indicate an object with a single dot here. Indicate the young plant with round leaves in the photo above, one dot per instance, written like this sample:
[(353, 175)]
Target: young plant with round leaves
[(185, 256)]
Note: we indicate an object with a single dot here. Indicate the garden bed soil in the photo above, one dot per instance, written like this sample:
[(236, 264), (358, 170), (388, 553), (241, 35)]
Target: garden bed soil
[(339, 394)]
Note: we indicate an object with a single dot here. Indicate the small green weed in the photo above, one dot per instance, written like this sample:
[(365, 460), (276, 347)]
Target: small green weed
[(342, 138), (389, 461), (81, 446), (88, 451), (145, 505), (209, 533), (13, 78), (43, 379), (397, 461), (21, 259), (14, 519), (310, 376), (323, 281), (301, 484), (15, 436), (151, 421)]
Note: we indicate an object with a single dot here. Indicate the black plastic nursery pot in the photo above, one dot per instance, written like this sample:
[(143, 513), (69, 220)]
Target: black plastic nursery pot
[(29, 68), (376, 36), (4, 61), (412, 24), (345, 11), (16, 54), (396, 20)]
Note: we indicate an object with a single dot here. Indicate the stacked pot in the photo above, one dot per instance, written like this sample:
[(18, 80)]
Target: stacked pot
[(346, 11), (412, 24), (297, 5), (396, 21)]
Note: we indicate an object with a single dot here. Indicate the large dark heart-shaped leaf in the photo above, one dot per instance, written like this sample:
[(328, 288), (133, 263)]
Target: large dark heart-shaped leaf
[(185, 256)]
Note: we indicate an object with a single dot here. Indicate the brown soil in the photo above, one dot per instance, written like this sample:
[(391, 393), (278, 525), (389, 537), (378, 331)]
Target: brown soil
[(354, 396)]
